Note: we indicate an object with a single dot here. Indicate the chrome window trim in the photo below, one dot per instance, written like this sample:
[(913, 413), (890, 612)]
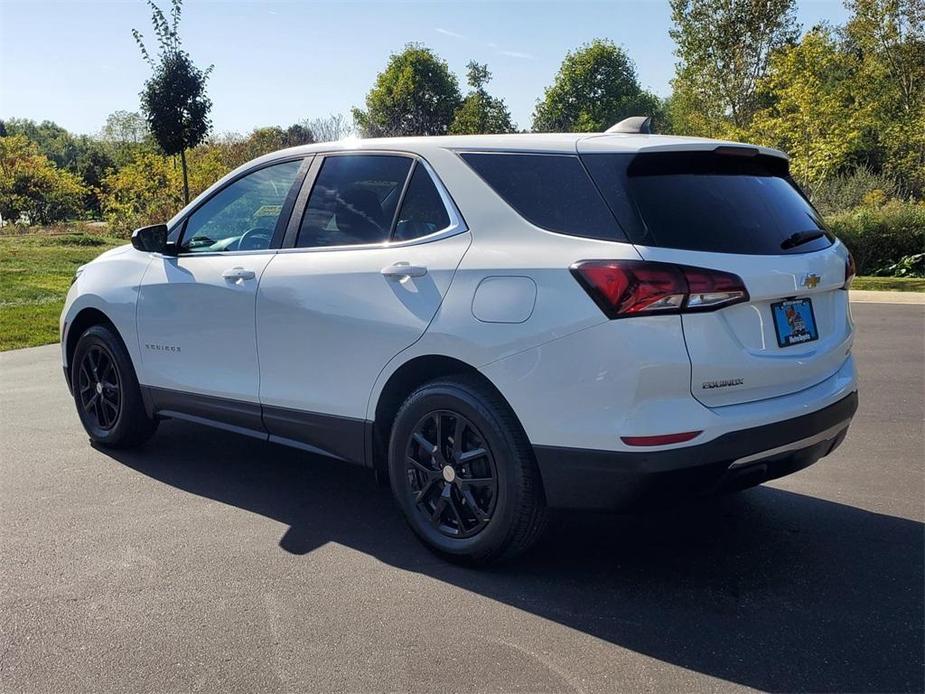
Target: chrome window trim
[(457, 223)]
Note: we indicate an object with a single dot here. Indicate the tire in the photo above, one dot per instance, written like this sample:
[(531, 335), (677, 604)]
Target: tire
[(488, 506), (106, 391)]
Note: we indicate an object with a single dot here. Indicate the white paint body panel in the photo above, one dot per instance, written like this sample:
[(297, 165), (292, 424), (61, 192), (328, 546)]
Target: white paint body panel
[(328, 320), (185, 304)]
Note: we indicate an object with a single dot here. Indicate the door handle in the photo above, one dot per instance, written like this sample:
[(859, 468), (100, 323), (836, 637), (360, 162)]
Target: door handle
[(402, 270), (239, 273)]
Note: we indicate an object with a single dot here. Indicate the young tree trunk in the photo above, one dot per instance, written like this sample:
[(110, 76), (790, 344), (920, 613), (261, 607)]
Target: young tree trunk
[(185, 179)]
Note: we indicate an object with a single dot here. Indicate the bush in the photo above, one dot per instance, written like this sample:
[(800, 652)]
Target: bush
[(881, 237), (848, 191), (147, 191), (32, 188)]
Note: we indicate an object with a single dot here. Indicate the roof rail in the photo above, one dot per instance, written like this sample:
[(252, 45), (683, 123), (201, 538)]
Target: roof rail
[(633, 124)]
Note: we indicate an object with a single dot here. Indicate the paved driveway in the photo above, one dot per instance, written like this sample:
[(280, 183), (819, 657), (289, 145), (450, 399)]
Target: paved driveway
[(211, 561)]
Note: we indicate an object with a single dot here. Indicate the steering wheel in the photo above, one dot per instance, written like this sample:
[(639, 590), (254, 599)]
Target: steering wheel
[(255, 239)]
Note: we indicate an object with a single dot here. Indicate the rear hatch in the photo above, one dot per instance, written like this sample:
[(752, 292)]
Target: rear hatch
[(736, 209)]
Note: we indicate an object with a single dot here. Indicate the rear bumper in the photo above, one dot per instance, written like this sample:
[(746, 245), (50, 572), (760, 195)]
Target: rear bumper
[(609, 480)]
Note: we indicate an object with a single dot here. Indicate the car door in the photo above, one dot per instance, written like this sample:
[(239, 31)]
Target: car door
[(371, 258), (196, 310)]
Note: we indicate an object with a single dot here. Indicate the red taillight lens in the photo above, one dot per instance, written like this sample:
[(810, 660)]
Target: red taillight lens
[(623, 288), (850, 270), (662, 440)]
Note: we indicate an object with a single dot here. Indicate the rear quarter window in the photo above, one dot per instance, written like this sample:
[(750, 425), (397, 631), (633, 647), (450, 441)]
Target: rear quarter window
[(552, 191), (708, 201)]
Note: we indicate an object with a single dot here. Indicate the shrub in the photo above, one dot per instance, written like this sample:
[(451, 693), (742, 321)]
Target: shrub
[(847, 191), (32, 187), (146, 191), (881, 237)]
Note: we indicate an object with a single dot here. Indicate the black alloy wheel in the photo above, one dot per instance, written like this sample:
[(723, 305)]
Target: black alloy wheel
[(452, 474), (99, 388)]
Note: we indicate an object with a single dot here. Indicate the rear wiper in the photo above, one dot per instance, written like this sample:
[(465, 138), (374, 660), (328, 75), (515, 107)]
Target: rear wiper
[(801, 237)]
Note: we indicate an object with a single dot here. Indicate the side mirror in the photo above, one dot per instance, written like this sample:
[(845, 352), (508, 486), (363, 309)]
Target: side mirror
[(152, 239)]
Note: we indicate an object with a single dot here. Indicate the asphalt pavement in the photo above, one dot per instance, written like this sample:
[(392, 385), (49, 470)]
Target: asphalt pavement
[(208, 561)]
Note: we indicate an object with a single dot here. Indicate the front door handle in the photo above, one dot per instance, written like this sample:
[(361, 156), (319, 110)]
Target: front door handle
[(402, 270), (239, 273)]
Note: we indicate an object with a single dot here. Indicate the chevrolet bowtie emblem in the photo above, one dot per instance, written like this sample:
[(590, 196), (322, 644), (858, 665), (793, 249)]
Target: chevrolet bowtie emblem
[(811, 280)]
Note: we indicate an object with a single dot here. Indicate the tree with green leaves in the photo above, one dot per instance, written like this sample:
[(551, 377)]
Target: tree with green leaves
[(596, 86), (480, 112), (815, 109), (723, 49), (889, 38), (81, 155), (416, 94), (174, 99), (32, 187)]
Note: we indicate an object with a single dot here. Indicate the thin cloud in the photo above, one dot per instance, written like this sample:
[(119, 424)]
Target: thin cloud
[(518, 54), (447, 32)]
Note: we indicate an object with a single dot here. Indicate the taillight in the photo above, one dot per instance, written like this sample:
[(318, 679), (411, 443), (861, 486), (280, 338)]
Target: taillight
[(850, 270), (624, 288)]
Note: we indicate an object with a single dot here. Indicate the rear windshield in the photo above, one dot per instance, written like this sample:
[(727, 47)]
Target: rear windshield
[(552, 191), (706, 201)]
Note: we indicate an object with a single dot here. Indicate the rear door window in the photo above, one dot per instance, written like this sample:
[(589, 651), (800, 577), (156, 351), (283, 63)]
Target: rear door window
[(552, 191), (707, 201), (353, 200)]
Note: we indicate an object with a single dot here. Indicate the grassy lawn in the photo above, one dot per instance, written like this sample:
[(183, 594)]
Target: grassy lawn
[(35, 273), (890, 284)]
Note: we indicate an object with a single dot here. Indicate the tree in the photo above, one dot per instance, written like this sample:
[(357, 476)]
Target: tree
[(125, 127), (723, 48), (889, 37), (145, 191), (32, 187), (596, 86), (816, 109), (480, 112), (174, 99), (78, 154), (416, 94), (329, 129)]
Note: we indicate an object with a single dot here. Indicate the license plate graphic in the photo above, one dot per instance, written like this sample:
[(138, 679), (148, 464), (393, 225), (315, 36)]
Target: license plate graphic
[(794, 322)]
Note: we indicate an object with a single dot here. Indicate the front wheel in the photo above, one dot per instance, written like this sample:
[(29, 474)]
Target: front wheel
[(106, 391), (463, 472)]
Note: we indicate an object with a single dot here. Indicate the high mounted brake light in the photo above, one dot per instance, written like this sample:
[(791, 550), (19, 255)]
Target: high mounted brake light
[(625, 288)]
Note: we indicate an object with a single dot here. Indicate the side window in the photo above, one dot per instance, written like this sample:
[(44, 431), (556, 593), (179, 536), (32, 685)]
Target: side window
[(243, 215), (422, 210), (551, 191), (353, 200)]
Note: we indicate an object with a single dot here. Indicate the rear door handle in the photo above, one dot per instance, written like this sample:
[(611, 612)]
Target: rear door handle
[(401, 270), (239, 273)]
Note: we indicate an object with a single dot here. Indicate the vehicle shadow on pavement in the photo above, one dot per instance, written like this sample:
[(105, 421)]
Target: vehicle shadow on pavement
[(770, 589)]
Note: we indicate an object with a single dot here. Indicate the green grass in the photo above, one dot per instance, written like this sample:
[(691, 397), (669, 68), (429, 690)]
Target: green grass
[(35, 273), (890, 284)]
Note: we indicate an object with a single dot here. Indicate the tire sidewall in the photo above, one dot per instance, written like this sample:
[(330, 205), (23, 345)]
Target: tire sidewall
[(99, 336), (456, 398)]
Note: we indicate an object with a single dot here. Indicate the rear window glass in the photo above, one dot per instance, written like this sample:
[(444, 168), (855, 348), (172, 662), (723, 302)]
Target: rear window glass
[(704, 201), (551, 191)]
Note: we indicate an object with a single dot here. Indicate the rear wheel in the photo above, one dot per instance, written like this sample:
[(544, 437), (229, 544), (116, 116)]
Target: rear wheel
[(106, 391), (463, 472)]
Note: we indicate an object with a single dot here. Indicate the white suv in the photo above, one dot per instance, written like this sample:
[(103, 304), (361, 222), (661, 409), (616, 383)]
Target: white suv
[(498, 324)]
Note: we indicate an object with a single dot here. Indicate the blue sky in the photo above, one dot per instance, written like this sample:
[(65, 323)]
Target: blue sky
[(279, 62)]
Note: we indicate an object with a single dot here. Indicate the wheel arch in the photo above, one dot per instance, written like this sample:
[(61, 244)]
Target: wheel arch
[(86, 318), (399, 385)]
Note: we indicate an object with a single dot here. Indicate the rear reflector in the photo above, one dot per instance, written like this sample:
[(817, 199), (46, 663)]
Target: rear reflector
[(624, 288), (662, 440)]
